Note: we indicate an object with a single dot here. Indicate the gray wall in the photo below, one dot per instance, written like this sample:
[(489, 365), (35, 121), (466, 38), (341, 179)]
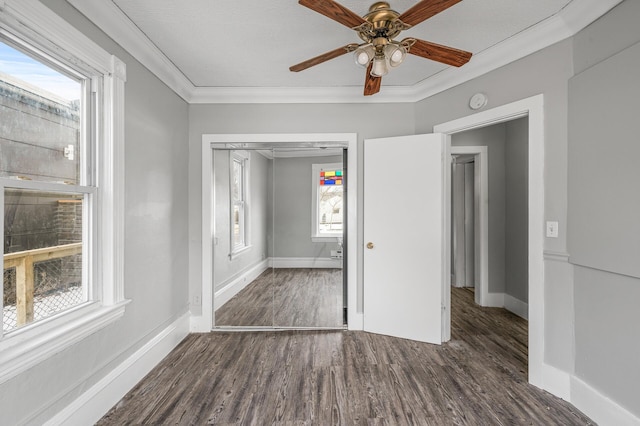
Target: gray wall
[(511, 83), (155, 246), (517, 209), (225, 268), (587, 326), (292, 208), (494, 138), (365, 120), (604, 206)]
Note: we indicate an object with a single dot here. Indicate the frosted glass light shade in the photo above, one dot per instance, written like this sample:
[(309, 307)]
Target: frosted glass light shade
[(364, 54), (379, 67), (395, 54)]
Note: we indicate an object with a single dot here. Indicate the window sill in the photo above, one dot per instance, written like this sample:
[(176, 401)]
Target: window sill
[(326, 238), (238, 252), (26, 347)]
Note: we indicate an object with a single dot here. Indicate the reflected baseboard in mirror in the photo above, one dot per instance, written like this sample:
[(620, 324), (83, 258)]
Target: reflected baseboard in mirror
[(287, 298)]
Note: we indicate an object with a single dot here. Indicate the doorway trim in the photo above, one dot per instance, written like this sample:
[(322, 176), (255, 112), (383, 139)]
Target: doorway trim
[(347, 140), (533, 108)]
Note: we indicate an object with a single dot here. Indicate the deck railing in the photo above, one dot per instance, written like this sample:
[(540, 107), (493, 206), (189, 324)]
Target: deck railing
[(23, 262)]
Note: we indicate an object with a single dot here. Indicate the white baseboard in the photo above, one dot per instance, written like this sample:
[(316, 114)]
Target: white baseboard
[(235, 285), (599, 407), (98, 399), (556, 381), (510, 303), (516, 306), (356, 322), (305, 262), (494, 300)]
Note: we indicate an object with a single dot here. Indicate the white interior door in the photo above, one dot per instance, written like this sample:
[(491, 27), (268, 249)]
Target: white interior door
[(405, 225)]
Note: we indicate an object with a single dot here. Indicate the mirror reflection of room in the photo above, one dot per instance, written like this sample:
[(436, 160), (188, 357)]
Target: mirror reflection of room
[(278, 238)]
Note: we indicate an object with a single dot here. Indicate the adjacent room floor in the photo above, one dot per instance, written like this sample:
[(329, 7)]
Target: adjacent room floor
[(347, 377)]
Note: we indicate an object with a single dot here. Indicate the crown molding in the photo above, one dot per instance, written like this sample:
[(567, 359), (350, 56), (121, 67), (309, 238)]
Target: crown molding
[(566, 23), (43, 29), (110, 19)]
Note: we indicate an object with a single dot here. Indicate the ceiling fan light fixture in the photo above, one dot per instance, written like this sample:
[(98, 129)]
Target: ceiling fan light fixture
[(378, 29), (364, 54), (395, 54), (379, 67)]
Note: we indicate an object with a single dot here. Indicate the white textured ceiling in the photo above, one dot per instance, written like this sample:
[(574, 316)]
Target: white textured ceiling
[(233, 46)]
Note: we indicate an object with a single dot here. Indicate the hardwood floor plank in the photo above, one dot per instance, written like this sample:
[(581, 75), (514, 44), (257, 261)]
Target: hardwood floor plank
[(287, 297), (349, 378)]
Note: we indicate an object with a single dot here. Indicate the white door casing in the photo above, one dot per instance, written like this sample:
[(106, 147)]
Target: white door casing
[(540, 374), (405, 227)]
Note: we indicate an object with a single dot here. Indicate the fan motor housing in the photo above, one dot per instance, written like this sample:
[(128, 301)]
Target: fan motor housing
[(383, 21)]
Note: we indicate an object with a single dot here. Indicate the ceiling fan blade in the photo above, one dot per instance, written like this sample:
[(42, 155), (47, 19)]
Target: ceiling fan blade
[(321, 58), (436, 52), (335, 11), (425, 10), (371, 83)]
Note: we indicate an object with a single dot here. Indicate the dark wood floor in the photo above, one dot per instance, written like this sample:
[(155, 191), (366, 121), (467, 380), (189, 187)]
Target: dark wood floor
[(344, 377), (287, 297)]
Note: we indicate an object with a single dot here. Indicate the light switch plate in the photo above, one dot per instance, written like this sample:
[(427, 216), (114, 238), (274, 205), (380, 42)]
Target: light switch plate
[(552, 229)]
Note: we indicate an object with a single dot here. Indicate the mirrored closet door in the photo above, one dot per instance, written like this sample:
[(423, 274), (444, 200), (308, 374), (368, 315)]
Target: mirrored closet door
[(278, 236)]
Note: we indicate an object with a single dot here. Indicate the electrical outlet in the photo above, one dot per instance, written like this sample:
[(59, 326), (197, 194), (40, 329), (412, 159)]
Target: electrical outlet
[(552, 229), (196, 300)]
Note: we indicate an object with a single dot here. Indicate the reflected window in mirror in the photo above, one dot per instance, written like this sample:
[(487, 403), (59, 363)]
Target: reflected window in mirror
[(327, 202), (239, 168)]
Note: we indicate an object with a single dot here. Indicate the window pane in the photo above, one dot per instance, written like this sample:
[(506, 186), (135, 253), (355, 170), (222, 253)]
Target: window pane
[(236, 188), (238, 238), (39, 120), (330, 208), (42, 255)]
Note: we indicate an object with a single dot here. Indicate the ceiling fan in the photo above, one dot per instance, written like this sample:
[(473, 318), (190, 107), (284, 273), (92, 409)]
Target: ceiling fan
[(377, 29)]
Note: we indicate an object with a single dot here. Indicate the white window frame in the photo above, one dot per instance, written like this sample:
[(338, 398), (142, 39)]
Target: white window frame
[(243, 158), (31, 23), (316, 235)]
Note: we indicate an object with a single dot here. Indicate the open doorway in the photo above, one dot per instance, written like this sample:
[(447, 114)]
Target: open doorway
[(505, 146), (490, 214), (532, 108)]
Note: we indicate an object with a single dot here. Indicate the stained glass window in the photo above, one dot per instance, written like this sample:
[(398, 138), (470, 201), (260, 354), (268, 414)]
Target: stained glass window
[(331, 177), (330, 198)]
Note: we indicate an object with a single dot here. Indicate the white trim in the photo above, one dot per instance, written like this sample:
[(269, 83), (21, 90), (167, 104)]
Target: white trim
[(556, 256), (534, 108), (599, 407), (556, 381), (305, 262), (110, 147), (567, 22), (39, 26), (356, 321), (35, 24), (516, 306), (111, 20), (204, 322), (237, 283), (326, 239), (92, 404), (35, 343), (494, 300)]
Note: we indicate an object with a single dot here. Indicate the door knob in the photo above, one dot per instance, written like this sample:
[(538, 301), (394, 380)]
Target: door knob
[(369, 245)]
